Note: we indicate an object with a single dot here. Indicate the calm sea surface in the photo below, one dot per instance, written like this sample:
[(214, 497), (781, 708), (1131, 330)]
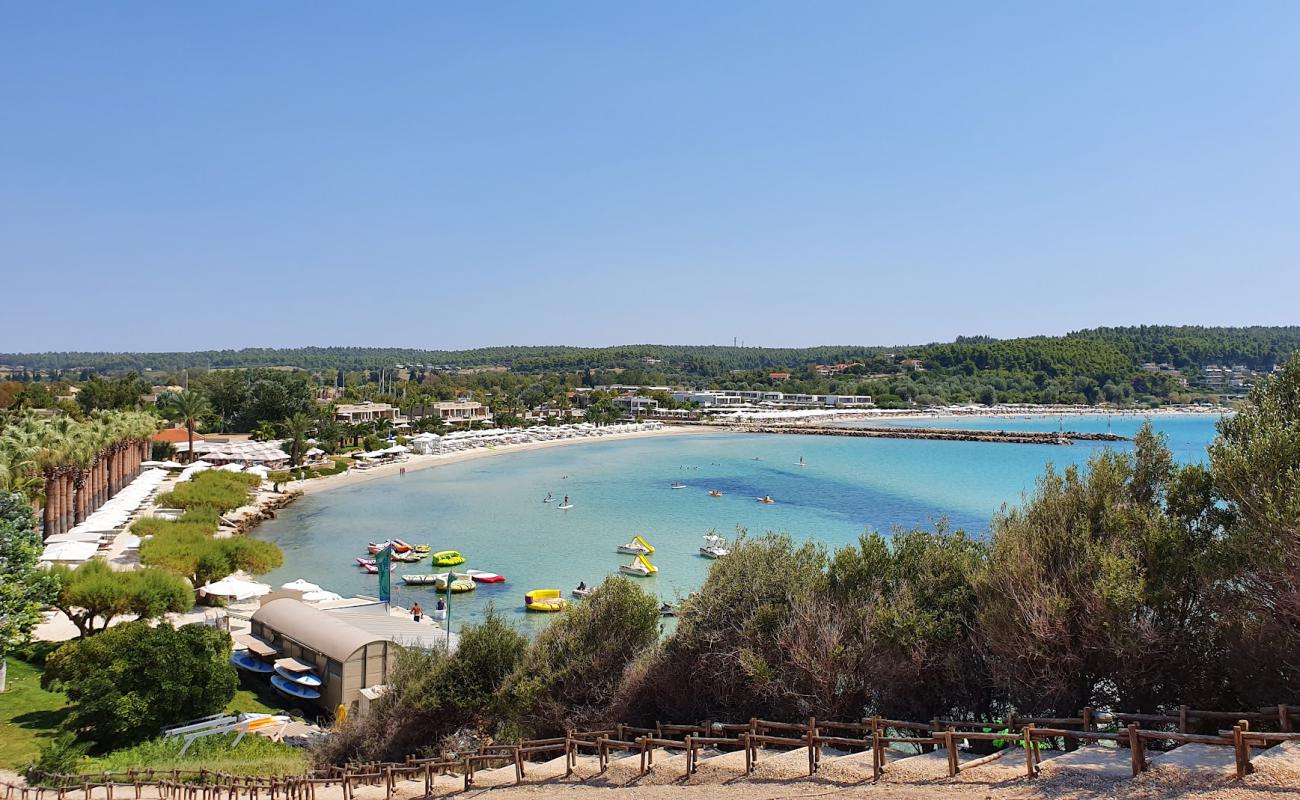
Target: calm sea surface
[(491, 509)]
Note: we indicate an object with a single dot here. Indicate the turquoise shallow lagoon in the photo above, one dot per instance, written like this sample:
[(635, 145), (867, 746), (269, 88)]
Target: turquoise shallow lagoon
[(490, 509)]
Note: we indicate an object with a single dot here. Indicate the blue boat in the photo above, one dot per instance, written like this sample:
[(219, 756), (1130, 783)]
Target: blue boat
[(301, 678), (247, 661), (291, 689)]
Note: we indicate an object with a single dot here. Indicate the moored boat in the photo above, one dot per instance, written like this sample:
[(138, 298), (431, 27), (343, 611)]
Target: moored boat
[(419, 580), (637, 547), (545, 600), (448, 558), (459, 583), (485, 577), (639, 566)]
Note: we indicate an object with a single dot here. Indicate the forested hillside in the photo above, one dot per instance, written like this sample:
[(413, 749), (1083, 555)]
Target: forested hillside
[(1098, 351), (1138, 365)]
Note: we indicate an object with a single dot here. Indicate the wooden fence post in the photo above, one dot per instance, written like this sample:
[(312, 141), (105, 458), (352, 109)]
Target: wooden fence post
[(950, 745), (749, 757), (1136, 749), (1284, 718), (1031, 763), (877, 757), (1241, 748), (1182, 719)]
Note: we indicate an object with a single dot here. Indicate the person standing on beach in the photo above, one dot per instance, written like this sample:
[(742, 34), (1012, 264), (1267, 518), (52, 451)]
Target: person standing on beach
[(417, 612)]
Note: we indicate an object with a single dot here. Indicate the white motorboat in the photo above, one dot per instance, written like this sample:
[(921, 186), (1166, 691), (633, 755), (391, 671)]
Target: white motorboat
[(714, 546)]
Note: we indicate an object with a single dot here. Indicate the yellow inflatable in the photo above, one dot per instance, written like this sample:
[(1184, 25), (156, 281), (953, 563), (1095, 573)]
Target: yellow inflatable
[(545, 600), (459, 583), (448, 558)]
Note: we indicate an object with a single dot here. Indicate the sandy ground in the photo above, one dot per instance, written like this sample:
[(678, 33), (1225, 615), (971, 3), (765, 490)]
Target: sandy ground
[(418, 462), (1092, 773)]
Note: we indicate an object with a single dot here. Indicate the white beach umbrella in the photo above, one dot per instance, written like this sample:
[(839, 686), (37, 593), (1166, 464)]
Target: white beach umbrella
[(236, 588), (320, 596), (232, 467), (300, 585), (69, 551)]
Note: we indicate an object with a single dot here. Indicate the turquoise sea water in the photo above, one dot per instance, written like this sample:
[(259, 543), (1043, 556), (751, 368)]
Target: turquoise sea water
[(490, 509)]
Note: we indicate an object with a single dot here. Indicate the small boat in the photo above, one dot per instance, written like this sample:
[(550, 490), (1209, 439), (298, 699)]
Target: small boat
[(294, 690), (714, 546), (666, 610), (637, 547), (714, 493), (677, 485), (409, 557), (582, 590), (564, 507), (767, 498), (249, 663), (545, 600), (639, 566), (459, 583), (485, 577), (448, 558), (421, 548), (397, 545), (301, 678), (419, 580)]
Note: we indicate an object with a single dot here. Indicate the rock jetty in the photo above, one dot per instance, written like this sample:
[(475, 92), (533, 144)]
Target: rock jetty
[(944, 434)]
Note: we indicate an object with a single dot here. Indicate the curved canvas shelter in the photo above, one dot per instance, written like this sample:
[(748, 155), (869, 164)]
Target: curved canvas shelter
[(345, 657)]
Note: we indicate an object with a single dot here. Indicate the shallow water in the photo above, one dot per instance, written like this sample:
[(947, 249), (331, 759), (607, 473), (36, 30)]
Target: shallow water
[(491, 509)]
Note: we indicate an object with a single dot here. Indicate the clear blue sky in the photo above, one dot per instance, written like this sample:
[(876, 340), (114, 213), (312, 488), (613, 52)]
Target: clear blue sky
[(435, 174)]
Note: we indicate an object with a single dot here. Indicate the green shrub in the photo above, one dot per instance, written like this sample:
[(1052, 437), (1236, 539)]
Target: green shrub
[(254, 755), (217, 489), (130, 680), (570, 674)]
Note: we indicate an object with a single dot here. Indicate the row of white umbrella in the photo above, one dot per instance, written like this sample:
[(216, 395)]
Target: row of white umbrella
[(239, 589), (80, 542)]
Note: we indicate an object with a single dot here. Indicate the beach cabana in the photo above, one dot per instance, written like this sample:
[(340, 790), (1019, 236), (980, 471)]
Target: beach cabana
[(346, 657)]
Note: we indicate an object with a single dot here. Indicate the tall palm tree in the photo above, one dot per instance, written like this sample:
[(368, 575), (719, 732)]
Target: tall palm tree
[(297, 428), (188, 407)]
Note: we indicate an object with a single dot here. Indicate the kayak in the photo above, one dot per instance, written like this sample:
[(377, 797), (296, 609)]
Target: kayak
[(294, 690), (249, 662)]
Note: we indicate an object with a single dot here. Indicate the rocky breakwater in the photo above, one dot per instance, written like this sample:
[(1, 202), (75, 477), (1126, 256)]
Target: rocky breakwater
[(266, 509), (944, 434)]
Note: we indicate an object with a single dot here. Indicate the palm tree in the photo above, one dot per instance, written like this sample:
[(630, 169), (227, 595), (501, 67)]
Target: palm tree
[(297, 428), (188, 407), (264, 431)]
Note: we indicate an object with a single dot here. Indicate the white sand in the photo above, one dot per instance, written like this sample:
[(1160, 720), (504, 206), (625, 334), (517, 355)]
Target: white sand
[(419, 462)]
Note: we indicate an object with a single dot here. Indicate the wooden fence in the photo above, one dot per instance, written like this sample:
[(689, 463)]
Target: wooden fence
[(1135, 732)]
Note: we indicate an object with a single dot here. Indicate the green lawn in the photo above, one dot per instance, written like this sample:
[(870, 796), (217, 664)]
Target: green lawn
[(29, 715), (255, 755)]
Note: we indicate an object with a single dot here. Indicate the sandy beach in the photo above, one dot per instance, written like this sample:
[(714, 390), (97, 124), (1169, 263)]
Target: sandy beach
[(420, 462)]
